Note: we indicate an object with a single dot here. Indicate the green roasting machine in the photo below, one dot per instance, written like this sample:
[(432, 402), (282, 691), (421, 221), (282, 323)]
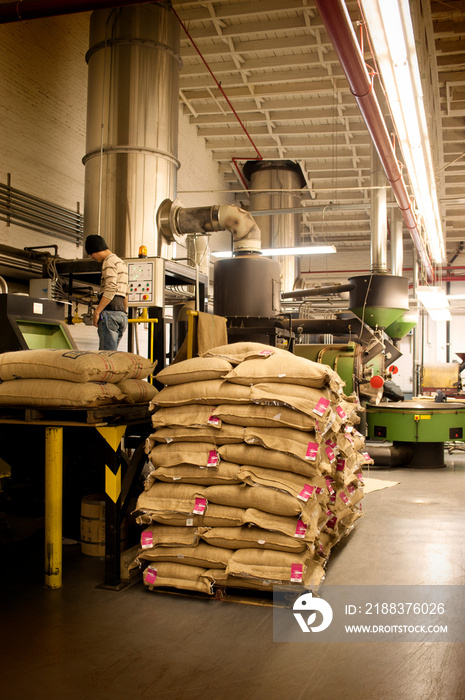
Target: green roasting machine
[(32, 324)]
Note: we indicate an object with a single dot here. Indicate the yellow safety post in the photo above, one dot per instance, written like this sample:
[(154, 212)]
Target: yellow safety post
[(190, 332), (144, 318), (53, 506)]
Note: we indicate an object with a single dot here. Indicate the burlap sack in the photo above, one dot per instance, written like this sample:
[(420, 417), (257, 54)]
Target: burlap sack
[(211, 392), (266, 564), (317, 403), (224, 435), (238, 352), (166, 536), (138, 390), (225, 473), (264, 416), (188, 416), (215, 516), (182, 576), (247, 537), (223, 580), (197, 369), (302, 445), (176, 453), (55, 392), (306, 489), (172, 498), (291, 527), (285, 368), (269, 459), (74, 365), (204, 555), (260, 497)]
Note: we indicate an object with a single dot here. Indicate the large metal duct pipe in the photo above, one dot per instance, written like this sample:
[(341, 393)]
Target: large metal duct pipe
[(132, 124), (378, 216), (175, 221), (274, 180), (339, 27), (397, 243)]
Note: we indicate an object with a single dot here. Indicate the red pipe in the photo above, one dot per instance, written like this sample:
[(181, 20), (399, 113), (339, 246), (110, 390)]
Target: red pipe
[(35, 9), (339, 27)]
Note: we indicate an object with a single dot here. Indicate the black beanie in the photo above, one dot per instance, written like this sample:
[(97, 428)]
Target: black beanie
[(95, 244)]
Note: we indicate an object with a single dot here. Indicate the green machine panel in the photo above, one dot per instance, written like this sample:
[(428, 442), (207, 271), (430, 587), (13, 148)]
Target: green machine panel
[(417, 421)]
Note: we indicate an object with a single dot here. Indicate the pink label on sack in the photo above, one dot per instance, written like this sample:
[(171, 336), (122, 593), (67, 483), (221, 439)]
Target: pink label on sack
[(322, 405), (150, 575), (330, 453), (213, 420), (312, 451), (319, 490), (351, 488), (322, 551), (329, 484), (212, 458), (360, 477), (331, 443), (200, 505), (340, 465), (366, 456), (300, 529), (296, 573), (331, 523), (146, 539), (349, 438), (306, 492), (343, 498), (265, 353), (340, 412)]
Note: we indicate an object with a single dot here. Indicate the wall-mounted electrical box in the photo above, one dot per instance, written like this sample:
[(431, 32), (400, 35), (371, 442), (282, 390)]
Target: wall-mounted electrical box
[(146, 278)]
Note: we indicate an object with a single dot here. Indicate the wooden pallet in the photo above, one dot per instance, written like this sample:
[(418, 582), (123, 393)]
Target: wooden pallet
[(107, 415), (223, 594)]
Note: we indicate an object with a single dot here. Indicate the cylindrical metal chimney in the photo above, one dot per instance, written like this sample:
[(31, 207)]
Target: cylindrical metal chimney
[(378, 215), (132, 124), (278, 183)]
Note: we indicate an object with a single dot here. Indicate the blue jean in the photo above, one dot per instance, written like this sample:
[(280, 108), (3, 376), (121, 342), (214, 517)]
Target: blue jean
[(110, 329)]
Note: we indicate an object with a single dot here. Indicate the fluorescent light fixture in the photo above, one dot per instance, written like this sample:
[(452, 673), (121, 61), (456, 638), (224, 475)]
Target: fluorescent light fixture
[(390, 27), (273, 252), (435, 301)]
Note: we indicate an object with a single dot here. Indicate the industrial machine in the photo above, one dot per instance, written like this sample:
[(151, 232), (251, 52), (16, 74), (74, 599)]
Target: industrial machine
[(32, 324)]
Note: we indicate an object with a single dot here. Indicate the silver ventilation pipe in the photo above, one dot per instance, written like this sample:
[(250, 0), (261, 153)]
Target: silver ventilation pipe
[(397, 243), (378, 216), (273, 180), (175, 221), (132, 124)]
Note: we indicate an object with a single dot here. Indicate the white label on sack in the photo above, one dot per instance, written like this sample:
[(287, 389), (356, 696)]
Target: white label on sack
[(180, 556), (200, 505), (306, 492), (277, 416), (296, 573), (189, 522), (150, 575), (322, 405), (261, 541), (176, 478), (146, 539), (168, 440), (281, 375)]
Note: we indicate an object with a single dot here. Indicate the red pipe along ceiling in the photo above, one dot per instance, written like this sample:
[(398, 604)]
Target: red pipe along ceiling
[(35, 9), (339, 27)]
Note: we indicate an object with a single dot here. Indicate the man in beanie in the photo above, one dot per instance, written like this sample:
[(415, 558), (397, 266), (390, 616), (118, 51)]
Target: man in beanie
[(111, 314)]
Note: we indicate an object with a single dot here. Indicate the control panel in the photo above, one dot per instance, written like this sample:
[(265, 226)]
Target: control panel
[(146, 277)]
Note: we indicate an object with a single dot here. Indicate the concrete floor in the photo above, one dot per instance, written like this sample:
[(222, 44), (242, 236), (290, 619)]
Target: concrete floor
[(85, 642)]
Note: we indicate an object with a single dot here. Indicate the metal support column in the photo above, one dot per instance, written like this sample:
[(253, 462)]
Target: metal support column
[(53, 506)]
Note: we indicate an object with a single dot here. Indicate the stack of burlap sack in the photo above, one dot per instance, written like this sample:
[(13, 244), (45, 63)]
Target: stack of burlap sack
[(74, 378), (256, 471)]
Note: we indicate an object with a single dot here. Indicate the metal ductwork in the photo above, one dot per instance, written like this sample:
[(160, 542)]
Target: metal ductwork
[(339, 27), (275, 185), (175, 221), (132, 124)]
